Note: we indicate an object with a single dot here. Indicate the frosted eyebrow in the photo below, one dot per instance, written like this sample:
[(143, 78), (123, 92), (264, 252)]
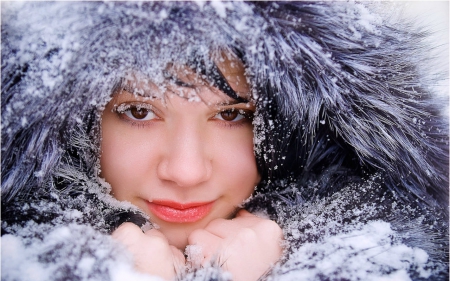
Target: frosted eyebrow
[(234, 102), (183, 84), (145, 92), (138, 85), (140, 92)]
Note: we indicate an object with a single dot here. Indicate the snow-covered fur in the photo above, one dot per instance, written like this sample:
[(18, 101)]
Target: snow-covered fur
[(349, 136)]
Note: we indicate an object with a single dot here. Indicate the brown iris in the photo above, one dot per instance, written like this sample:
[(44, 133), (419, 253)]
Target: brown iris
[(229, 115), (139, 113)]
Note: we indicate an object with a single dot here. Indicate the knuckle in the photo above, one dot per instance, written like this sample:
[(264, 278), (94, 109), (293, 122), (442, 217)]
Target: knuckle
[(157, 240), (246, 234), (154, 233), (271, 228), (127, 230), (128, 226), (157, 244), (216, 223), (196, 236)]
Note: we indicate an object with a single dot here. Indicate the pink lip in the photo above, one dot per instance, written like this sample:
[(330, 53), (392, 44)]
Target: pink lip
[(178, 212)]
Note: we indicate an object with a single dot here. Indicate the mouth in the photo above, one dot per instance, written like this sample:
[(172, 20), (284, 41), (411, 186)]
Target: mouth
[(178, 212)]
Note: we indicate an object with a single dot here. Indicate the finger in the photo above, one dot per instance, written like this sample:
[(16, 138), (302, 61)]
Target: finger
[(223, 228), (204, 246), (244, 213), (226, 228), (156, 236), (126, 232), (178, 260), (178, 255), (155, 233)]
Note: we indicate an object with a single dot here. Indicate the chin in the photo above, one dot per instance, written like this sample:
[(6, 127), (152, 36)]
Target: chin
[(178, 234)]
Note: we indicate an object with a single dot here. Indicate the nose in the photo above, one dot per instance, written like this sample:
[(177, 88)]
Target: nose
[(185, 161)]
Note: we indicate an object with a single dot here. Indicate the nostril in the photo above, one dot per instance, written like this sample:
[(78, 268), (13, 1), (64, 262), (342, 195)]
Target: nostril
[(183, 172)]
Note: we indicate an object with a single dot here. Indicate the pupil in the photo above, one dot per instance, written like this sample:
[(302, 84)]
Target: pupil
[(229, 115), (140, 113)]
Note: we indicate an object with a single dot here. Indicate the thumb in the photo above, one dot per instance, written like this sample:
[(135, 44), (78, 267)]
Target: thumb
[(244, 213)]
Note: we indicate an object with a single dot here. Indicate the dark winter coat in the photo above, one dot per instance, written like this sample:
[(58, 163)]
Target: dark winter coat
[(349, 135)]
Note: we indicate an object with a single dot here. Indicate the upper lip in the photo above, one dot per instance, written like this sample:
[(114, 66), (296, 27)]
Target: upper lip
[(178, 205)]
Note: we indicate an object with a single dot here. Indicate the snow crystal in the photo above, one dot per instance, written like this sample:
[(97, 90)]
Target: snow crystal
[(24, 121), (396, 276), (74, 214), (261, 213), (369, 21), (86, 264), (200, 3), (258, 132), (39, 174), (241, 24), (77, 246), (363, 254), (59, 233), (194, 255), (147, 226), (19, 262), (163, 14), (127, 272), (220, 8)]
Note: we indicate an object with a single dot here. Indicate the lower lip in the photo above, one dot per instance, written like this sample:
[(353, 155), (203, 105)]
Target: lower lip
[(172, 212)]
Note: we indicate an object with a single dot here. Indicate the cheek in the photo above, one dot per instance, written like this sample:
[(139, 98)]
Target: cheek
[(237, 164), (122, 163)]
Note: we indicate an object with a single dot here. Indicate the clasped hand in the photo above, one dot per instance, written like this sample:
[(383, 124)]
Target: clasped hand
[(246, 246)]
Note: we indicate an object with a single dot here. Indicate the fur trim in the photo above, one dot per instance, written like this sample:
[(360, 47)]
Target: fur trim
[(348, 130)]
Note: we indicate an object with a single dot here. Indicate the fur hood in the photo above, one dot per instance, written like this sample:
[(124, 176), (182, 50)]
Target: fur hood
[(347, 124)]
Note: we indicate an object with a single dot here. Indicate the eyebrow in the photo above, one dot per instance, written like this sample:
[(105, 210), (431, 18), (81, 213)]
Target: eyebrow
[(181, 83), (134, 89), (233, 102)]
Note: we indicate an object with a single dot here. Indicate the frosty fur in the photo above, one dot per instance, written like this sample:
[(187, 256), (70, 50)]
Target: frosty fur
[(349, 136)]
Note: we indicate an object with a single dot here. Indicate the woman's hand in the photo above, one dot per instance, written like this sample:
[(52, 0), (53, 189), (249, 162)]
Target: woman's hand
[(151, 251), (246, 246)]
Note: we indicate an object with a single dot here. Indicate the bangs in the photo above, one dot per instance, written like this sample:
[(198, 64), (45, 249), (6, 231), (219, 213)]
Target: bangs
[(198, 71)]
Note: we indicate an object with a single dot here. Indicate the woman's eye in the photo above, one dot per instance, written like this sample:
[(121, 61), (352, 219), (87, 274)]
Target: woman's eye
[(139, 113), (231, 115)]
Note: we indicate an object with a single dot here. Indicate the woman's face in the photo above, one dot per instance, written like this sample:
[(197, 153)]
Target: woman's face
[(183, 161)]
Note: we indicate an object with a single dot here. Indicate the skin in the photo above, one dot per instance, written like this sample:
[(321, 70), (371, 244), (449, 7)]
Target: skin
[(188, 151)]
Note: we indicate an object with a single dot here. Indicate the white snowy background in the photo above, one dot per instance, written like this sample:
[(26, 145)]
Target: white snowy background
[(435, 15)]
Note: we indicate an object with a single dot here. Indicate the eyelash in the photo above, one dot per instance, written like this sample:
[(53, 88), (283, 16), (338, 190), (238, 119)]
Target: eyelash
[(247, 116), (122, 109)]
